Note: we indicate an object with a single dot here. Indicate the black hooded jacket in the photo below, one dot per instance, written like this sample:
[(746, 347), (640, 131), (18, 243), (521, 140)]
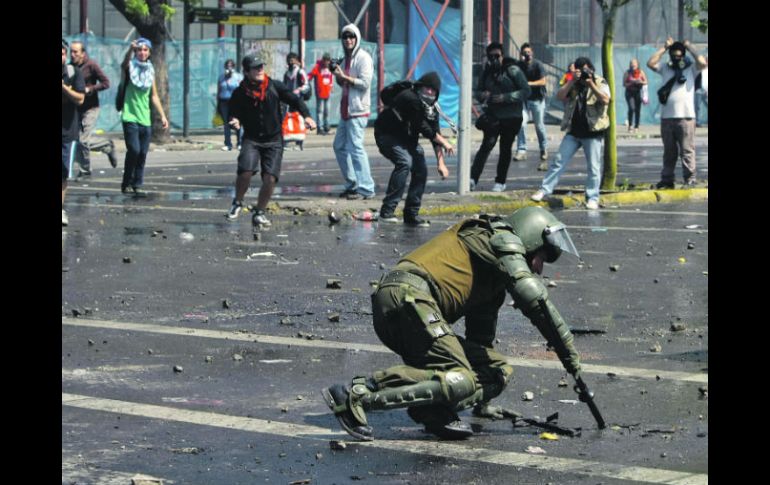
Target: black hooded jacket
[(407, 117)]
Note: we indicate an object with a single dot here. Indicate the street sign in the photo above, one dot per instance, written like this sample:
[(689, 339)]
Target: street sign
[(243, 17)]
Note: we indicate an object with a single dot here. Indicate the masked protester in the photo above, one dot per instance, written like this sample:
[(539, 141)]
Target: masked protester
[(677, 113), (535, 106), (504, 89), (463, 272), (411, 113)]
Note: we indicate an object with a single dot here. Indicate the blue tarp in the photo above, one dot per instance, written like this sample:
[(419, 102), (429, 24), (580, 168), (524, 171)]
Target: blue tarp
[(448, 34)]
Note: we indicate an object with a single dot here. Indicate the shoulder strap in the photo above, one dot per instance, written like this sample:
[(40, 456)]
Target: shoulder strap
[(70, 71)]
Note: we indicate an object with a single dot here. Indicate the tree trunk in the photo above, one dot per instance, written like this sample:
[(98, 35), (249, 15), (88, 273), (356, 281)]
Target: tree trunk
[(610, 140)]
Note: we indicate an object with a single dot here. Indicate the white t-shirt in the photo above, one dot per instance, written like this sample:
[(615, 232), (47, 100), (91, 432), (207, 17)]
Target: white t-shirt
[(681, 101)]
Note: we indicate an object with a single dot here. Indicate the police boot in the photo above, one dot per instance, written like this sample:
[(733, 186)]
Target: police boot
[(348, 410), (440, 421)]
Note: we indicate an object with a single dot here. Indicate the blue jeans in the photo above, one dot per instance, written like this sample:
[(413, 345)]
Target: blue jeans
[(593, 149), (406, 158), (224, 111), (537, 107), (351, 156), (322, 107), (137, 145)]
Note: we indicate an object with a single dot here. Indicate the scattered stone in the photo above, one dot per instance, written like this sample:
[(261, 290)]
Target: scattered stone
[(334, 317), (535, 450), (281, 455), (382, 266), (528, 396), (178, 368), (237, 357), (704, 391), (193, 450), (286, 321), (656, 347), (257, 236), (334, 284), (649, 253), (563, 382), (614, 267), (642, 391), (337, 445), (690, 245), (334, 218), (551, 284), (186, 236), (91, 342), (656, 280), (374, 283), (701, 435), (300, 398), (149, 351), (75, 312), (318, 456), (208, 359), (225, 304), (284, 410), (126, 259), (678, 327), (663, 455)]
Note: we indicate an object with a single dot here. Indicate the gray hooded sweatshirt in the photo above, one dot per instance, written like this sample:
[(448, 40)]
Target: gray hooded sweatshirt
[(362, 69)]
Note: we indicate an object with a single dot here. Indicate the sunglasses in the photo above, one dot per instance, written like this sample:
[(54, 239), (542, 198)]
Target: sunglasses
[(257, 68), (494, 56), (348, 36)]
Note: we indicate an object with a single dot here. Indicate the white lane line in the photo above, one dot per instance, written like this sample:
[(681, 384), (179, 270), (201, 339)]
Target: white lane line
[(643, 229), (665, 213), (325, 344), (424, 447)]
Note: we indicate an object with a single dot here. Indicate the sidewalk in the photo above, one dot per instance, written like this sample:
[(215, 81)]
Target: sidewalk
[(214, 139)]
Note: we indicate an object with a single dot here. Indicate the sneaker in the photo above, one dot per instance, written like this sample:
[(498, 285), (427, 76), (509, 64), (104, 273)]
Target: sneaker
[(538, 196), (113, 158), (688, 184), (336, 397), (226, 148), (473, 185), (64, 219), (347, 192), (664, 185), (498, 187), (592, 204), (520, 156), (352, 196), (235, 210), (388, 218), (82, 173), (125, 190), (139, 192), (543, 167), (543, 155), (417, 222), (259, 218)]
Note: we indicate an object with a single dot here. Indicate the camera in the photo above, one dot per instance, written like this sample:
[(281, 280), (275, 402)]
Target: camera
[(228, 72), (586, 73), (336, 62)]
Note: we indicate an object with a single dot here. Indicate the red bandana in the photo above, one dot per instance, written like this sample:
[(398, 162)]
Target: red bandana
[(259, 94)]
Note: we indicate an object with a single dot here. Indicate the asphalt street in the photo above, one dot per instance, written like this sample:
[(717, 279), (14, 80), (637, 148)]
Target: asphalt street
[(247, 319)]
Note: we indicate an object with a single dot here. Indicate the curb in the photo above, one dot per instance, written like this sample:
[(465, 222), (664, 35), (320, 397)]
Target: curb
[(641, 197)]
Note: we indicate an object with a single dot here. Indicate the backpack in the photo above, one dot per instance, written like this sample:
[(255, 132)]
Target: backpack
[(309, 93), (389, 92)]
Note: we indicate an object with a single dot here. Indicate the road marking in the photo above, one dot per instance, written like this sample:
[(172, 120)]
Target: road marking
[(427, 446), (299, 342)]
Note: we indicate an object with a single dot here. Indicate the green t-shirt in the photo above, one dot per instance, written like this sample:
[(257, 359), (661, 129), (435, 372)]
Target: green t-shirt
[(136, 106)]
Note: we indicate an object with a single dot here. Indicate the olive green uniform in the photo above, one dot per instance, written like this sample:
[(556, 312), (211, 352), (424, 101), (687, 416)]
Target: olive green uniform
[(463, 272), (458, 273)]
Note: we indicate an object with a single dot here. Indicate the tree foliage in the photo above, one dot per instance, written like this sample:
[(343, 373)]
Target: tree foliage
[(697, 18)]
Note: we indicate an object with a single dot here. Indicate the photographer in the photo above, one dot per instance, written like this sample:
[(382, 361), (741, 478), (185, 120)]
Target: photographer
[(677, 111), (587, 97), (228, 81)]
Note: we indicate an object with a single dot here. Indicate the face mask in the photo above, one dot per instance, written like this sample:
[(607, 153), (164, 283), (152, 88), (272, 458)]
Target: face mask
[(428, 99)]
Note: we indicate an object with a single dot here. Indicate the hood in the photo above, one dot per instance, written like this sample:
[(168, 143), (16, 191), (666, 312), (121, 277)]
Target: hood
[(431, 80), (352, 28)]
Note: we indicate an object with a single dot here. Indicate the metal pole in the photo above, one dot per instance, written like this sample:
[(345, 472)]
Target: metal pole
[(186, 73), (502, 14), (489, 22), (83, 16), (381, 63), (221, 29), (466, 73), (302, 34), (591, 23), (238, 35), (362, 12)]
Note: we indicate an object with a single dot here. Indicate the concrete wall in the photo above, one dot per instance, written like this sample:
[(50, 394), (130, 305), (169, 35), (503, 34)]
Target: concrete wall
[(518, 23), (326, 21)]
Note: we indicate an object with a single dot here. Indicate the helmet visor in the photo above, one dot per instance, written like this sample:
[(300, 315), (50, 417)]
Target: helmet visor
[(558, 236)]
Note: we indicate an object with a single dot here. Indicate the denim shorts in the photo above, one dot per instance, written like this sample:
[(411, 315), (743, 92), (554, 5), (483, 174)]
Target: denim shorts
[(265, 156)]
